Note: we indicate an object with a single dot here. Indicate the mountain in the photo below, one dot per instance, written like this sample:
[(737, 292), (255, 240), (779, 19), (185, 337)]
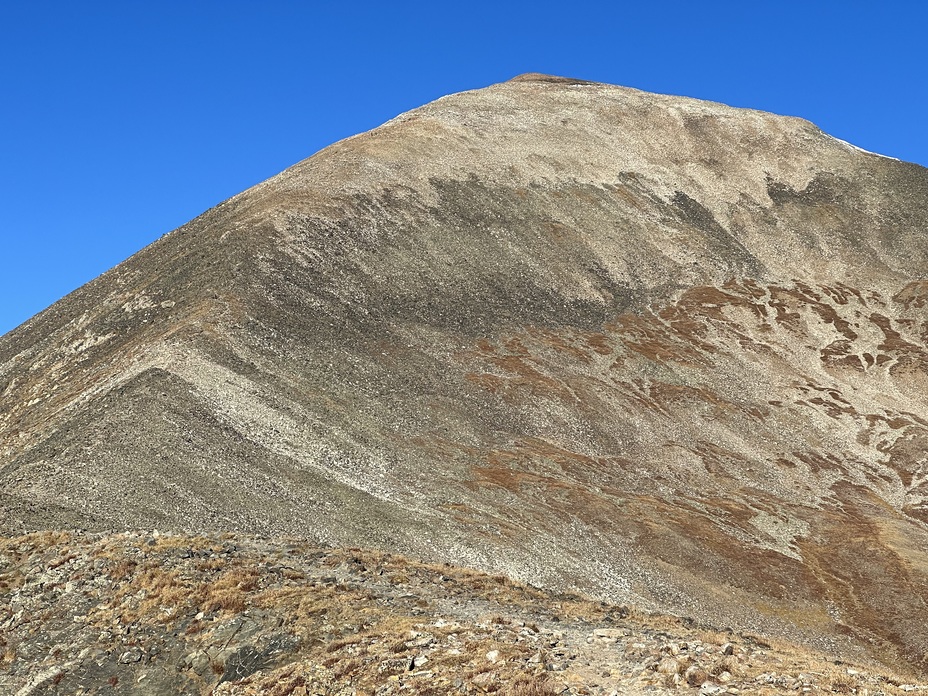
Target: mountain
[(653, 349)]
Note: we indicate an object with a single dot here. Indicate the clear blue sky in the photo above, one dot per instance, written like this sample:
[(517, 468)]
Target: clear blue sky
[(120, 121)]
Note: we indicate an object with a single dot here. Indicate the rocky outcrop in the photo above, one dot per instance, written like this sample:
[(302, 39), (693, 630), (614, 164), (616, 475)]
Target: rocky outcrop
[(147, 613), (655, 349)]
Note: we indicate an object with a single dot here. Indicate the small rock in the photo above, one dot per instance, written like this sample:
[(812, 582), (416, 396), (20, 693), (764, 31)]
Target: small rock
[(668, 665), (421, 640), (483, 679), (609, 633), (130, 656), (394, 666), (728, 649), (197, 661)]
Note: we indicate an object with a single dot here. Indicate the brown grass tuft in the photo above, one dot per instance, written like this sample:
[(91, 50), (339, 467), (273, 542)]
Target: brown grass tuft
[(337, 645), (713, 637), (229, 591), (58, 562), (8, 656), (347, 668), (531, 686), (729, 664), (49, 538), (696, 676), (208, 564), (841, 683), (122, 570), (228, 599)]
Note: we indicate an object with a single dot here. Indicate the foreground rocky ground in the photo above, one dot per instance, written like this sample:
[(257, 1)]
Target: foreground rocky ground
[(146, 613)]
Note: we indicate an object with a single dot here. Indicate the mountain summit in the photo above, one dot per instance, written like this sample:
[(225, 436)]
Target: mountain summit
[(654, 349)]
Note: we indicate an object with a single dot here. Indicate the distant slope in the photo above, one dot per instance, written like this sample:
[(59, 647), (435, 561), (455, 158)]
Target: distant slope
[(657, 349)]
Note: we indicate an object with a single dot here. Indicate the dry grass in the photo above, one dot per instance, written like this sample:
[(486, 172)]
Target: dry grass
[(713, 637), (48, 539), (729, 663), (154, 592), (342, 643), (348, 633), (696, 676), (398, 647), (347, 668), (210, 564), (229, 592), (61, 560), (155, 580), (168, 542), (841, 682), (194, 628), (229, 600), (288, 687), (122, 569), (670, 666), (531, 686), (7, 655)]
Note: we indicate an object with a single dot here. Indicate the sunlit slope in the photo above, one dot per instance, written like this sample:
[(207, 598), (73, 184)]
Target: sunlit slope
[(658, 349)]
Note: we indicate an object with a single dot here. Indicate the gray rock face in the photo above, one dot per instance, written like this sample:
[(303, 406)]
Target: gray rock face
[(656, 349)]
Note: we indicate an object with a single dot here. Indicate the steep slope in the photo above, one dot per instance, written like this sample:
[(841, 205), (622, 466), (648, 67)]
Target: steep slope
[(656, 349)]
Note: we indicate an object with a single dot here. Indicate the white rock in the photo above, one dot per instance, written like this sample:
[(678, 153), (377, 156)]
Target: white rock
[(613, 633)]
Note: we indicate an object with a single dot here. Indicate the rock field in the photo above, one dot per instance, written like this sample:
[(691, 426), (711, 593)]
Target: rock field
[(146, 613)]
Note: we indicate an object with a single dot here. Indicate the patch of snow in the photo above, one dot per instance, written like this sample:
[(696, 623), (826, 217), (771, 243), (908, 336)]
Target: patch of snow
[(860, 149)]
